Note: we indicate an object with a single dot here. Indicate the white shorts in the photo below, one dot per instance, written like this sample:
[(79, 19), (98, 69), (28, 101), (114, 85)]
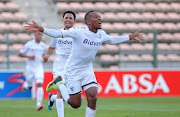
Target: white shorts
[(36, 73), (55, 74), (74, 84)]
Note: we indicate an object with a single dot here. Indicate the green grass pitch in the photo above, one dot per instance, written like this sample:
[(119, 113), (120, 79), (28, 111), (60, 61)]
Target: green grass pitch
[(106, 107)]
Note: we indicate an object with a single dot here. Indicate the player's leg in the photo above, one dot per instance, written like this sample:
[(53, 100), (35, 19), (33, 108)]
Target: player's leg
[(39, 77), (39, 94), (90, 88), (73, 86), (59, 104), (28, 79), (71, 91), (52, 98), (91, 95)]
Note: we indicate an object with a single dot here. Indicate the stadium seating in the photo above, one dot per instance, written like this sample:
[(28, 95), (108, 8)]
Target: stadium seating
[(11, 27)]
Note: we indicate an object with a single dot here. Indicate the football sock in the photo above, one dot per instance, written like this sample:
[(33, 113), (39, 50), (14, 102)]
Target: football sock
[(90, 112), (40, 94), (53, 98), (25, 85), (60, 107), (64, 91)]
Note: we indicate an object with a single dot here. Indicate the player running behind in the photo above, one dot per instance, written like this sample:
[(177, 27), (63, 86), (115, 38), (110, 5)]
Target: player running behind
[(63, 50), (34, 51)]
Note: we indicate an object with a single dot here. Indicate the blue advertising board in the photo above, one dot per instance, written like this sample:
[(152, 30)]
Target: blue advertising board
[(11, 85)]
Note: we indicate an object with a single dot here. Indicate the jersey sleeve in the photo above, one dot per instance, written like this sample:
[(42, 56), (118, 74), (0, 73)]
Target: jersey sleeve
[(61, 33), (25, 49), (114, 39), (53, 42)]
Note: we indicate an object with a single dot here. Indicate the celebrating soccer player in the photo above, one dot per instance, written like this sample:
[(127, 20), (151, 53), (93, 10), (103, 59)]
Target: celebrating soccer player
[(78, 69)]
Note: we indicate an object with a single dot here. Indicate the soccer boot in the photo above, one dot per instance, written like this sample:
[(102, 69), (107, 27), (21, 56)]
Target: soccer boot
[(53, 84), (39, 108), (50, 103)]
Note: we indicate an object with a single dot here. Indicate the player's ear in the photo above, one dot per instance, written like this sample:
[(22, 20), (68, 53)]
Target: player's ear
[(88, 22)]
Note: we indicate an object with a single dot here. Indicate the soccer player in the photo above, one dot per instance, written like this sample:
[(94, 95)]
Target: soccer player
[(63, 50), (79, 70), (34, 51)]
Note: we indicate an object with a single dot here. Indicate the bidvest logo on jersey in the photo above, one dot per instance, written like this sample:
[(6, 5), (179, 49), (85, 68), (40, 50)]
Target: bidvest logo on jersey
[(64, 42), (131, 84), (87, 41)]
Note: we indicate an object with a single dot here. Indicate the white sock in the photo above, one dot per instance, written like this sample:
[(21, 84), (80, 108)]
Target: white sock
[(40, 94), (90, 112), (25, 85), (53, 98), (64, 91), (60, 107)]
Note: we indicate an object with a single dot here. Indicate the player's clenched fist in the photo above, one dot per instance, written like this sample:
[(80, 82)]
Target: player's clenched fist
[(45, 58)]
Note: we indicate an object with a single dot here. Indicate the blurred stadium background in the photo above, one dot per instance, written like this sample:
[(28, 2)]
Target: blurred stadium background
[(158, 19)]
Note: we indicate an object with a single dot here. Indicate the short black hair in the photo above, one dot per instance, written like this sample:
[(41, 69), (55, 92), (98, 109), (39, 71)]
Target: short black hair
[(71, 13), (86, 15)]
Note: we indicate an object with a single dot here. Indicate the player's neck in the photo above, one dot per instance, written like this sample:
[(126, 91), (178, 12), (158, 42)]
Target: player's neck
[(66, 28), (92, 29), (37, 41)]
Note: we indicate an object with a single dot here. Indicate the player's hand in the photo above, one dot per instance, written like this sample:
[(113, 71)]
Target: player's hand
[(137, 36), (45, 58), (31, 57), (33, 27)]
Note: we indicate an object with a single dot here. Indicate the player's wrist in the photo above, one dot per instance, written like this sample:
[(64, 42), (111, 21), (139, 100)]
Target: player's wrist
[(131, 37), (41, 29)]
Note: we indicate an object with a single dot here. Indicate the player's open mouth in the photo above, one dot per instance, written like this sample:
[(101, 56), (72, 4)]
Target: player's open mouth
[(67, 22)]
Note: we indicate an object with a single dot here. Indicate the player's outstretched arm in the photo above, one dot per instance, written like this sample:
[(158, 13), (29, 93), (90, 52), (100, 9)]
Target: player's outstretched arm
[(137, 36), (35, 27), (120, 39)]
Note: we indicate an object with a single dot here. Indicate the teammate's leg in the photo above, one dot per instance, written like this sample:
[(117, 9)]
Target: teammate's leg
[(39, 77), (28, 79), (52, 98), (40, 94)]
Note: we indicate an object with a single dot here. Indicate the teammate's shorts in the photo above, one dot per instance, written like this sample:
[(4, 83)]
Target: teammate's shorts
[(74, 84), (36, 73)]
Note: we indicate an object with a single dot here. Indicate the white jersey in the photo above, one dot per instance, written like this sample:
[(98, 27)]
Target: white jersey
[(84, 48), (63, 49), (31, 48)]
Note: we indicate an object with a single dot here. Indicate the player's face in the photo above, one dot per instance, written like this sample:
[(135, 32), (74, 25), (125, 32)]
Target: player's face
[(95, 20), (38, 36), (68, 20)]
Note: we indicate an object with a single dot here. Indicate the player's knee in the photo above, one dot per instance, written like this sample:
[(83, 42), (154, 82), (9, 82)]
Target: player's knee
[(92, 98), (39, 84), (76, 105)]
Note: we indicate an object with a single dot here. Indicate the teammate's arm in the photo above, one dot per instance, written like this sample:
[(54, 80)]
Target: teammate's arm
[(25, 56), (48, 54), (22, 52)]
